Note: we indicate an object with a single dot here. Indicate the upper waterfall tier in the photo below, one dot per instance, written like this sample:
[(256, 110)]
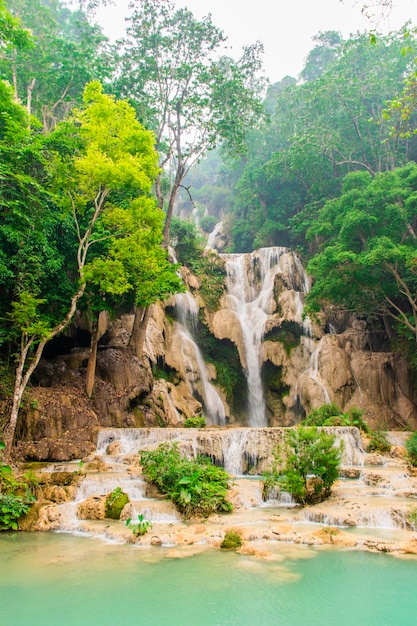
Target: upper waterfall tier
[(251, 296)]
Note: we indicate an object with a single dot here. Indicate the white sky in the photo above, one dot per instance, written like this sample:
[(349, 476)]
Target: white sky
[(285, 27)]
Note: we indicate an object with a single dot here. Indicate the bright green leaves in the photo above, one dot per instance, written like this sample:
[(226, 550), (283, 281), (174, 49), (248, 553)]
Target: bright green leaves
[(25, 315), (15, 497), (306, 466), (50, 76), (12, 35), (119, 152), (135, 265), (196, 486)]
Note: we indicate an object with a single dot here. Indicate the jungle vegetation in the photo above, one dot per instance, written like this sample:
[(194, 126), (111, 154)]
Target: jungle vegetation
[(99, 143)]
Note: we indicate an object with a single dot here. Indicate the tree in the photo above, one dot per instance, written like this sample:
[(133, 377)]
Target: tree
[(368, 258), (326, 52), (101, 157), (310, 465), (320, 130), (49, 77), (12, 35), (171, 70)]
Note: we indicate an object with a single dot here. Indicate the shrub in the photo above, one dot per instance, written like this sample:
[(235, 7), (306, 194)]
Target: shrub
[(310, 465), (197, 487), (232, 540), (195, 422), (115, 503), (11, 509), (140, 527), (411, 517), (411, 447), (331, 415), (207, 223), (378, 442), (15, 497)]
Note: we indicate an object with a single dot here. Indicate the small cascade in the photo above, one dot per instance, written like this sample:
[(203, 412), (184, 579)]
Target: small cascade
[(102, 484), (369, 517), (213, 235), (232, 449), (196, 369), (236, 449), (312, 372), (131, 440), (349, 439)]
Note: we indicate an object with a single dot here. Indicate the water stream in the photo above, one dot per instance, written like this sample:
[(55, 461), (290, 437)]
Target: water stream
[(250, 282), (250, 295), (196, 369)]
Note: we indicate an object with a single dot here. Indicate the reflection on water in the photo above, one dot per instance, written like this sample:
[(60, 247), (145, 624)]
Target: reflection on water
[(50, 580)]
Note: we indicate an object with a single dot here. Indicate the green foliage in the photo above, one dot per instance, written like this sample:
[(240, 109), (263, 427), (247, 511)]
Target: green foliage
[(15, 496), (11, 510), (210, 268), (140, 527), (195, 422), (115, 503), (186, 241), (368, 259), (411, 447), (331, 415), (411, 517), (12, 36), (378, 442), (174, 70), (224, 356), (66, 53), (330, 123), (309, 468), (207, 223), (197, 487), (231, 541), (288, 333), (92, 220)]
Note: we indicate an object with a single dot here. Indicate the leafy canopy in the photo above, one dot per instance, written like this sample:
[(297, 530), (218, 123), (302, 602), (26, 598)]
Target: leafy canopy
[(368, 257)]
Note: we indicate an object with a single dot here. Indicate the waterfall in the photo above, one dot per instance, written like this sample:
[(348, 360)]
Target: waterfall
[(212, 236), (196, 370), (250, 287)]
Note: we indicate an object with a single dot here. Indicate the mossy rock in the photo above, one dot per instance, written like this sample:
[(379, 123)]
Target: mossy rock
[(232, 541), (115, 502)]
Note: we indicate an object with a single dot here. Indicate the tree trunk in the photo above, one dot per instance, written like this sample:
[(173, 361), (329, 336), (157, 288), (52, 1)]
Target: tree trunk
[(138, 335), (387, 326), (17, 398), (92, 360), (21, 381), (170, 209), (29, 98), (99, 329), (14, 73)]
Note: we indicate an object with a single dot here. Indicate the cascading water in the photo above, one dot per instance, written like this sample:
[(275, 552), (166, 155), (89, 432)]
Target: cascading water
[(250, 294), (212, 236), (187, 308)]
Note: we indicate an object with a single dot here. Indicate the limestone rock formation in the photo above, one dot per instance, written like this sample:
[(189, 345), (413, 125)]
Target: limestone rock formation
[(249, 350)]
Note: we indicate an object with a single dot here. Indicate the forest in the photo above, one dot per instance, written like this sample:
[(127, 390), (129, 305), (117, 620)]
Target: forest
[(104, 145)]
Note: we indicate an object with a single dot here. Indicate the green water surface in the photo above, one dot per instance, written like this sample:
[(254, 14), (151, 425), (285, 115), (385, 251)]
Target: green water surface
[(61, 580)]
